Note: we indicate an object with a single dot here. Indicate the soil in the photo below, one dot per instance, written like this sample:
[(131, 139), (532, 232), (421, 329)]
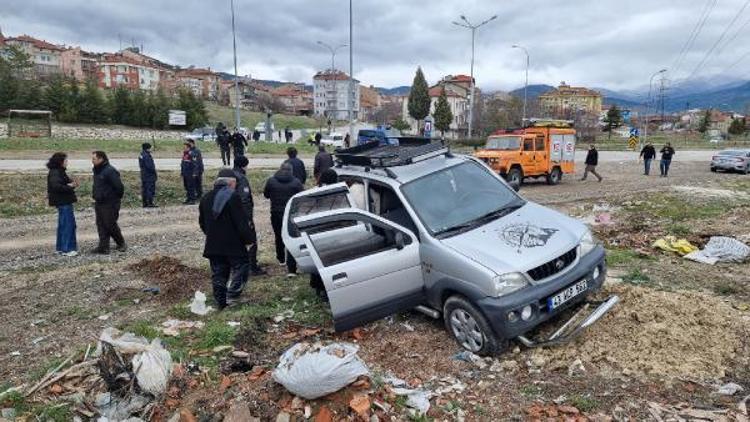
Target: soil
[(176, 281)]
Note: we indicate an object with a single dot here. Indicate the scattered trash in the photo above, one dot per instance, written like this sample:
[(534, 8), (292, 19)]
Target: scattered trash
[(730, 389), (467, 356), (15, 353), (240, 354), (672, 244), (683, 412), (604, 219), (509, 366), (9, 413), (407, 326), (418, 400), (233, 324), (223, 348), (172, 327), (721, 249), (152, 290), (198, 305), (576, 368), (38, 340), (284, 315), (103, 317), (315, 370)]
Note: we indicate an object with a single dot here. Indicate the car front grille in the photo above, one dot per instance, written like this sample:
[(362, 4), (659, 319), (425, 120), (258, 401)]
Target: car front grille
[(554, 266)]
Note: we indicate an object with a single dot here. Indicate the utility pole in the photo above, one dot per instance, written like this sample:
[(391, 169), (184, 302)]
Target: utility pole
[(661, 98), (526, 83), (236, 76), (648, 105), (351, 98), (332, 81), (473, 29)]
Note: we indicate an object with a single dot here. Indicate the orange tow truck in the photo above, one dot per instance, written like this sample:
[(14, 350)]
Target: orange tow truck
[(545, 148)]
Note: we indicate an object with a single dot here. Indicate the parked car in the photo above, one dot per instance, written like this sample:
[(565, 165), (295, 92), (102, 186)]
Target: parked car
[(382, 135), (261, 127), (202, 134), (335, 140), (392, 237), (715, 140), (732, 160)]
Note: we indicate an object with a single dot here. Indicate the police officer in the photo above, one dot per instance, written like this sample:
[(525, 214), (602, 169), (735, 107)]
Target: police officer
[(148, 176), (191, 169), (246, 195), (239, 142), (222, 140)]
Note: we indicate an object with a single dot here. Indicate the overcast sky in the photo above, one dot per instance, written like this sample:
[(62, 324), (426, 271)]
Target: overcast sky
[(597, 43)]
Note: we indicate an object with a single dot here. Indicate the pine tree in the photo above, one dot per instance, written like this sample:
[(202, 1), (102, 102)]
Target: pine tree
[(705, 122), (138, 115), (737, 127), (55, 95), (419, 98), (160, 105), (195, 110), (119, 105), (69, 109), (92, 107), (400, 124), (613, 119), (443, 114)]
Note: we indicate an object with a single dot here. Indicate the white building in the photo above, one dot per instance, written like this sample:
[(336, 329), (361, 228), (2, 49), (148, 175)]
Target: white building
[(330, 90), (457, 89)]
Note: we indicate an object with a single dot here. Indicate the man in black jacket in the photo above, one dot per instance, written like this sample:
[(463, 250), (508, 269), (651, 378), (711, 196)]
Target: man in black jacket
[(298, 167), (148, 176), (227, 231), (239, 142), (222, 140), (592, 160), (648, 153), (246, 196), (323, 161), (666, 159), (107, 193), (279, 189)]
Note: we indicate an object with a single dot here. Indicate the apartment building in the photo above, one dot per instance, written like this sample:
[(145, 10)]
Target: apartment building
[(330, 91)]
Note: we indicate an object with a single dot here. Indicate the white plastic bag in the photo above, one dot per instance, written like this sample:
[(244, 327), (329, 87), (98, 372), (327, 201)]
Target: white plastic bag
[(315, 370), (125, 343), (153, 368), (198, 305), (721, 249)]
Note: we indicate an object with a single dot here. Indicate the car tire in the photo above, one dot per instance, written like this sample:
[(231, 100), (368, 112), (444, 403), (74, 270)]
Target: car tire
[(470, 328), (747, 170), (554, 177), (713, 169), (515, 174)]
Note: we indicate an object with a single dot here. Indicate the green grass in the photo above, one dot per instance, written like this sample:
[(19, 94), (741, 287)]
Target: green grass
[(583, 403), (636, 276), (530, 391), (249, 119), (679, 230), (78, 312), (622, 257), (726, 288), (679, 209)]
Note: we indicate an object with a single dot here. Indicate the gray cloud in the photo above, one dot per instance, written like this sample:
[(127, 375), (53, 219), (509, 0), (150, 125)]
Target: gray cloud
[(600, 43)]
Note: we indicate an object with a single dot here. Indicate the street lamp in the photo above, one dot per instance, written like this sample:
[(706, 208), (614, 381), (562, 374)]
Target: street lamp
[(236, 77), (333, 51), (648, 104), (526, 84), (351, 72), (468, 25), (333, 81)]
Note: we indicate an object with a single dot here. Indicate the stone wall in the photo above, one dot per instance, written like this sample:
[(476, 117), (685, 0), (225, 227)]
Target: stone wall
[(105, 132)]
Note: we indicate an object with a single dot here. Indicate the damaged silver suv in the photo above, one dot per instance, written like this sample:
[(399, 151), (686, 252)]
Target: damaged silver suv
[(415, 226)]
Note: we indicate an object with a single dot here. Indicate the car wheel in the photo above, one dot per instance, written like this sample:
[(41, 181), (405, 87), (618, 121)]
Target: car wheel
[(554, 177), (470, 328), (515, 175), (713, 169)]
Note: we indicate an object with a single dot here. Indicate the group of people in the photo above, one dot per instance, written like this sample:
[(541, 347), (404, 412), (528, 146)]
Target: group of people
[(230, 142), (648, 154)]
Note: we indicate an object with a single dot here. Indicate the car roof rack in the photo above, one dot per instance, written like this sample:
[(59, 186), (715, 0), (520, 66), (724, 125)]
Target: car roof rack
[(409, 150)]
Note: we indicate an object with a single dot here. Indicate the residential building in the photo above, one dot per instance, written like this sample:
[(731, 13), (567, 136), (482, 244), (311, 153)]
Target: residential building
[(370, 102), (79, 64), (204, 83), (330, 91), (45, 56), (166, 72), (566, 100), (457, 91), (295, 97)]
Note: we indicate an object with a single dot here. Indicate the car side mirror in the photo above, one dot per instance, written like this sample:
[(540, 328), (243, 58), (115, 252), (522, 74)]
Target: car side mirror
[(515, 185), (400, 241)]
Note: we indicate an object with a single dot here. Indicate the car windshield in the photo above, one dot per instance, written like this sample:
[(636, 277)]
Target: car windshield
[(736, 153), (504, 142), (460, 197)]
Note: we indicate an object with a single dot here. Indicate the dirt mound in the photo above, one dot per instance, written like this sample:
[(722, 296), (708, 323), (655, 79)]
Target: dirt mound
[(655, 333), (176, 281)]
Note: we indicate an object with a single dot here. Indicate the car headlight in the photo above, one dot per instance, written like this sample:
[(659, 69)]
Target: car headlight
[(588, 243), (509, 283)]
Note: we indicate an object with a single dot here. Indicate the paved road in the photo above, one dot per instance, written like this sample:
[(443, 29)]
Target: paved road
[(174, 164)]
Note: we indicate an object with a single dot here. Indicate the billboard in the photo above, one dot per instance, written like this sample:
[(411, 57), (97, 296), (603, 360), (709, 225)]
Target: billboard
[(177, 118)]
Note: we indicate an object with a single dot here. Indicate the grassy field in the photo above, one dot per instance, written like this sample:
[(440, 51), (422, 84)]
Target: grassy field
[(26, 194), (249, 119)]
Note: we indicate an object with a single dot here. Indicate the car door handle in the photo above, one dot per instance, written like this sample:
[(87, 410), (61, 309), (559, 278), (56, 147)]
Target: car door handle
[(339, 277), (302, 247)]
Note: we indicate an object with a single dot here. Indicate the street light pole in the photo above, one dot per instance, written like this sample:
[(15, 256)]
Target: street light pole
[(236, 77), (332, 79), (526, 84), (648, 104), (473, 29), (333, 51), (351, 72)]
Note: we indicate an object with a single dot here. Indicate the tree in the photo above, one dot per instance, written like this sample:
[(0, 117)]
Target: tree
[(15, 66), (195, 110), (139, 115), (119, 105), (419, 98), (737, 127), (400, 124), (159, 110), (443, 114), (69, 109), (56, 94), (92, 107), (705, 122), (613, 119)]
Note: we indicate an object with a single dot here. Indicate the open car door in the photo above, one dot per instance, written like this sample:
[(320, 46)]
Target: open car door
[(372, 272)]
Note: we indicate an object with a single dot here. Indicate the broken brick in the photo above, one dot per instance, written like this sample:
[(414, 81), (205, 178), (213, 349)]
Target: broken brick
[(360, 404), (187, 416), (226, 382), (324, 415), (570, 410)]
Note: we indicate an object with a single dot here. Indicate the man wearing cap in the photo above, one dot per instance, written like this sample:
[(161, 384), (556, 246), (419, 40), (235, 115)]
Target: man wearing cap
[(191, 170), (148, 176), (246, 196), (228, 233)]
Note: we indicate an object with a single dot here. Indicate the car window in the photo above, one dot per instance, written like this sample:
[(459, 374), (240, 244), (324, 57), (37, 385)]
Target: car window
[(504, 142), (310, 204), (539, 143), (528, 145), (736, 153), (375, 238), (434, 197)]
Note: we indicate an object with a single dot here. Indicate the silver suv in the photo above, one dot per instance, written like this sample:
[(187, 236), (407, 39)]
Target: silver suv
[(414, 226)]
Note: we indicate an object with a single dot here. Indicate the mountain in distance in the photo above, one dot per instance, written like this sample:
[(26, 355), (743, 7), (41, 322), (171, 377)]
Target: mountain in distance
[(533, 91), (267, 82), (399, 90)]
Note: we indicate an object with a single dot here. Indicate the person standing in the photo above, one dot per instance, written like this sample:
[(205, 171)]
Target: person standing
[(648, 153), (239, 142), (61, 193), (347, 141), (222, 140), (107, 192), (246, 197), (223, 221), (323, 161), (197, 157), (186, 171), (666, 159), (298, 167), (318, 138), (148, 176), (592, 160), (280, 188)]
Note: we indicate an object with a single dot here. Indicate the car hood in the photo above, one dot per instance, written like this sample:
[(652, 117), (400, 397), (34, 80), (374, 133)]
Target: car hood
[(525, 239)]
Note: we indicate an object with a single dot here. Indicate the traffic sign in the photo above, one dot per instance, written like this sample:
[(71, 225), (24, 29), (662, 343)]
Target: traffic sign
[(633, 141), (634, 131)]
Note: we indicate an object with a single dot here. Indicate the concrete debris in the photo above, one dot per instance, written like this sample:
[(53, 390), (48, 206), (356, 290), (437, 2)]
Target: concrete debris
[(172, 327), (730, 389), (198, 305)]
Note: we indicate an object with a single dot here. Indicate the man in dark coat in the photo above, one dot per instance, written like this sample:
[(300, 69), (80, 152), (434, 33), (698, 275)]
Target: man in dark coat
[(323, 161), (107, 192), (318, 137), (246, 196), (222, 140), (648, 153), (298, 167), (239, 142), (281, 187), (666, 159), (148, 176), (186, 171), (227, 231), (592, 160)]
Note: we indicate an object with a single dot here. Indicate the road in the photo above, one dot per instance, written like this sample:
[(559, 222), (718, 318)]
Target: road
[(126, 164)]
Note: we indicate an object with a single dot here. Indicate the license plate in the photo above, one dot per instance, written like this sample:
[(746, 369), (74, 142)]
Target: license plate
[(567, 294)]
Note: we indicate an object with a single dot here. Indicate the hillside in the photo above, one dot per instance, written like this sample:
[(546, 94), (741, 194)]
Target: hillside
[(249, 119), (533, 90)]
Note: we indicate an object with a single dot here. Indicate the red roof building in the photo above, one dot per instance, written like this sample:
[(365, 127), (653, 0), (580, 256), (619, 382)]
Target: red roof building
[(44, 55)]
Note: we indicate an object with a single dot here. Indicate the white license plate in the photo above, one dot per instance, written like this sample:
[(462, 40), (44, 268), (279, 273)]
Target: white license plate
[(567, 294)]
